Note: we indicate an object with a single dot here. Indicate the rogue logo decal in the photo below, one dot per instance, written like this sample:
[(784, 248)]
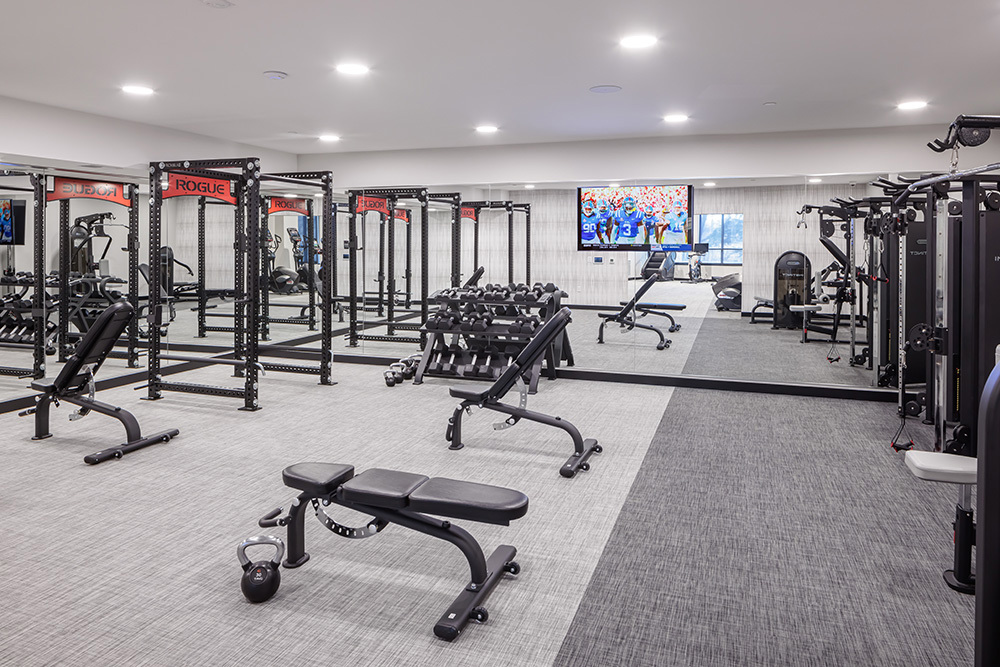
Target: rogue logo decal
[(470, 213), (73, 188), (365, 204), (184, 185), (402, 214), (287, 205)]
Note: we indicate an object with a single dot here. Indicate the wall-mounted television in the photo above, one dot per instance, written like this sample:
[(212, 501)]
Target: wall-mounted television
[(12, 212), (634, 217)]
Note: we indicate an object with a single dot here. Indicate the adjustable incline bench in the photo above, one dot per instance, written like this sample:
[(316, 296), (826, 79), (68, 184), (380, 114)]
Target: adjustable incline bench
[(75, 384), (632, 310), (390, 496), (490, 399)]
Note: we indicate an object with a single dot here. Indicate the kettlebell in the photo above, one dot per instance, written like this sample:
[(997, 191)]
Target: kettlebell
[(261, 579)]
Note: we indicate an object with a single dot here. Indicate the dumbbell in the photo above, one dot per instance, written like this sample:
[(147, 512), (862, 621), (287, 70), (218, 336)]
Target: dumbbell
[(535, 293), (482, 322), (445, 319), (468, 322), (453, 351), (434, 365), (486, 369), (517, 294), (527, 324)]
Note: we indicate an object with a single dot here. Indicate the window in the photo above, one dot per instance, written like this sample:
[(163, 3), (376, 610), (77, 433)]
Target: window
[(723, 232)]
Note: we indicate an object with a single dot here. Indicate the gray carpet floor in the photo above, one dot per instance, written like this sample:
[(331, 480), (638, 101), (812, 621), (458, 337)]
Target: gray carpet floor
[(716, 528), (133, 561), (792, 537)]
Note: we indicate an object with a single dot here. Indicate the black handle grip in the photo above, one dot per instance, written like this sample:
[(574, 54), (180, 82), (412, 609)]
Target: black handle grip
[(270, 519)]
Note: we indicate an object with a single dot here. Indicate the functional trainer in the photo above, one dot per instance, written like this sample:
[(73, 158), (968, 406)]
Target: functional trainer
[(390, 496), (490, 399), (633, 310), (75, 384)]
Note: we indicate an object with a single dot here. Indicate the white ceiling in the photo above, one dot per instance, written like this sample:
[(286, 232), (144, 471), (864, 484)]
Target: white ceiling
[(439, 68)]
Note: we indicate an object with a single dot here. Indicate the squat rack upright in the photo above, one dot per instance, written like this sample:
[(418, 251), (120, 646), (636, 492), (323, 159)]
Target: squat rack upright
[(123, 194), (203, 177), (38, 306), (471, 210), (384, 200)]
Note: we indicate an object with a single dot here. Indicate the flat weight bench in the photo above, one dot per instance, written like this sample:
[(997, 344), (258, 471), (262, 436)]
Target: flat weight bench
[(75, 384), (403, 498), (490, 399), (632, 310), (961, 470)]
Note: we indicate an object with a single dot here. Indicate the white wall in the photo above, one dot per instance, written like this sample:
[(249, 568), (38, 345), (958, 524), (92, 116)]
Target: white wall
[(51, 135), (687, 159)]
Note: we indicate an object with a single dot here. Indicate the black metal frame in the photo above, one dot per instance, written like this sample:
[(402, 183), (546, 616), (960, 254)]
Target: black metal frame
[(511, 207), (529, 358), (64, 346), (392, 197), (485, 572), (39, 315)]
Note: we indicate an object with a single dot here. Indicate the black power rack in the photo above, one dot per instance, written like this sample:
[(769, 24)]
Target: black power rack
[(457, 351)]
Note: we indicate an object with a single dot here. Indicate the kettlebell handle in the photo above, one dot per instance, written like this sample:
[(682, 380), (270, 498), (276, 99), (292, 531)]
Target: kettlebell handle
[(276, 542)]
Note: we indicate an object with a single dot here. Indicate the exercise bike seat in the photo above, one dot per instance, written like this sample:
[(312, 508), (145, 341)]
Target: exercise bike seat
[(318, 479)]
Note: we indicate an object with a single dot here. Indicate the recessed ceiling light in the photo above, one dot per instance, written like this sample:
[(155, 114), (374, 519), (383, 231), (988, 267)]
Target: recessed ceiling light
[(770, 104), (486, 129), (710, 184), (329, 137), (352, 69), (638, 41), (217, 4), (275, 75), (912, 105), (613, 185), (529, 186), (605, 88), (675, 118), (137, 90), (815, 180)]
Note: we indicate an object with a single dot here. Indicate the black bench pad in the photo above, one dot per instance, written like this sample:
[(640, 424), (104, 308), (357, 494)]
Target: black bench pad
[(466, 395), (662, 306), (379, 487), (319, 479), (467, 500)]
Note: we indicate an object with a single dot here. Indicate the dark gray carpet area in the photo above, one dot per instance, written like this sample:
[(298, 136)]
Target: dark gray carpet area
[(729, 346), (766, 530)]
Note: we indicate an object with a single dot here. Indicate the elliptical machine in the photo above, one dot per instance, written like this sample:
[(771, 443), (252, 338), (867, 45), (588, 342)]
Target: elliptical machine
[(301, 262), (281, 280)]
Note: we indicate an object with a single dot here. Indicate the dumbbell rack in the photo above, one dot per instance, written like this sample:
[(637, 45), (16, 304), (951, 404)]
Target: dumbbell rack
[(495, 335)]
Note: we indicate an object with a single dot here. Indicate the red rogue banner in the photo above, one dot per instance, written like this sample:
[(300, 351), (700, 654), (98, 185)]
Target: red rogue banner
[(287, 205), (72, 188), (184, 185), (365, 204), (402, 214), (469, 212)]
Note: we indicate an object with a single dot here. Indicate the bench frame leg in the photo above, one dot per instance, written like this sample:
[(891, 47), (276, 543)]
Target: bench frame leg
[(582, 449)]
